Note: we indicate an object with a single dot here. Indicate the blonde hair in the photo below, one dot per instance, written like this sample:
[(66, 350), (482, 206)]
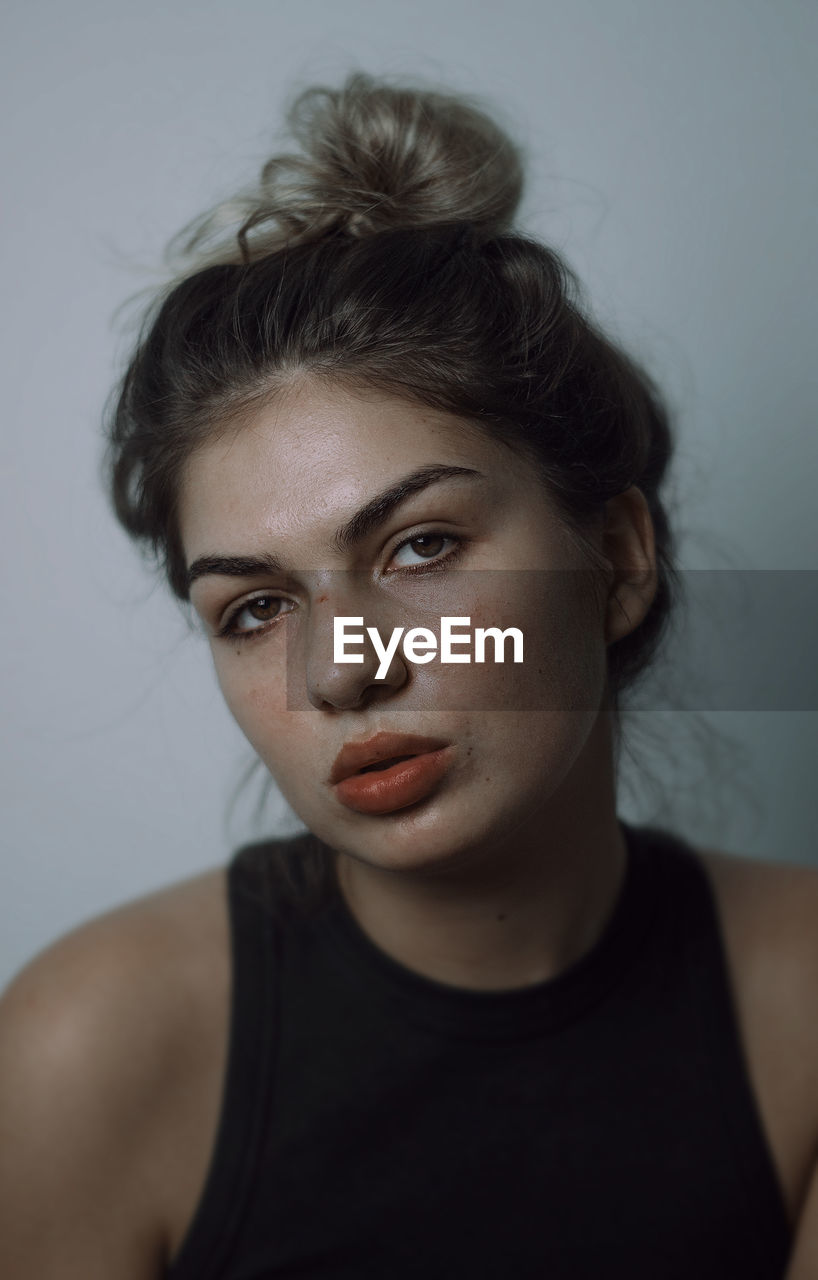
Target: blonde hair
[(374, 156)]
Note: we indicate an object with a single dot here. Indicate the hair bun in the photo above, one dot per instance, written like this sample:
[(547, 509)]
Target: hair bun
[(373, 157)]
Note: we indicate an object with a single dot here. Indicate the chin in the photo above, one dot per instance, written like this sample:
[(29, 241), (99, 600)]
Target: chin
[(437, 834)]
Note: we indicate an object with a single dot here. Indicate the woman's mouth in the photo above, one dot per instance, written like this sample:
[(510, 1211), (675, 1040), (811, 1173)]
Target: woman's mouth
[(393, 784), (384, 764), (389, 772)]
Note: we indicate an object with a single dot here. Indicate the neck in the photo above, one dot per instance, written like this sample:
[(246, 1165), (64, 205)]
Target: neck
[(527, 908)]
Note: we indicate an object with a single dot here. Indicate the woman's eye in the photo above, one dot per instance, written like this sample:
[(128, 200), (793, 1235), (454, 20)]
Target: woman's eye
[(256, 616), (427, 546), (263, 610)]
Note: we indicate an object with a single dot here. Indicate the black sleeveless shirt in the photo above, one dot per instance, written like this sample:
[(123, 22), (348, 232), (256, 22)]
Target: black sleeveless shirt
[(376, 1123)]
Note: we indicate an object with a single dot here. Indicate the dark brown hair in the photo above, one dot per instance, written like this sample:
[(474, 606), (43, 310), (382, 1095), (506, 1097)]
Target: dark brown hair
[(383, 254)]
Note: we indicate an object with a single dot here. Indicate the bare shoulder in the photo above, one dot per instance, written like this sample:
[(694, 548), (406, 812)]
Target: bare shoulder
[(146, 957), (768, 912), (112, 1046)]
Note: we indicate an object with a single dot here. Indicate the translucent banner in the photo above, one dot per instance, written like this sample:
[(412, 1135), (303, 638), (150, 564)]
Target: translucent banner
[(534, 640)]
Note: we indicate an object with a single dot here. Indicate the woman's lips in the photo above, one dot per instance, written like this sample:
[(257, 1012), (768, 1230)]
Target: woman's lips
[(382, 746), (385, 790)]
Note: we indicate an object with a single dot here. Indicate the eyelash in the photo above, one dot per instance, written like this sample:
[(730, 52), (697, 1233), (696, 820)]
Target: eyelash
[(231, 632)]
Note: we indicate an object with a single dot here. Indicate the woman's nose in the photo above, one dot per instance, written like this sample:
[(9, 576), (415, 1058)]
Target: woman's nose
[(327, 680)]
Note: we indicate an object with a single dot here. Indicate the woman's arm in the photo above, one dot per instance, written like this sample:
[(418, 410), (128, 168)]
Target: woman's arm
[(83, 1061), (804, 1261), (768, 913)]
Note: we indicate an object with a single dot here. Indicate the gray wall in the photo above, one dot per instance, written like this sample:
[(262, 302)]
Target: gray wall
[(671, 149)]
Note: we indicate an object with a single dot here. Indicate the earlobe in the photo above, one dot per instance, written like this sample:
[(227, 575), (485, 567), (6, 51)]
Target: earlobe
[(629, 546)]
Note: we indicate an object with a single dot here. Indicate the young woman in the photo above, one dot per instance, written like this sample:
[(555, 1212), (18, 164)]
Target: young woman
[(471, 1023)]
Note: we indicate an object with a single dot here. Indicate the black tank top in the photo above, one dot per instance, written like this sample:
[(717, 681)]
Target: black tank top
[(376, 1123)]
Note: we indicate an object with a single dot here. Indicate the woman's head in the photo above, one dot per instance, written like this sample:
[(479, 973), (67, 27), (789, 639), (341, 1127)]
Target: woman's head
[(382, 261), (330, 503)]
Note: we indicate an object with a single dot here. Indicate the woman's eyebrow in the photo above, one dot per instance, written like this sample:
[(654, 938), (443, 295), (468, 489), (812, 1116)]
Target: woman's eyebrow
[(364, 522)]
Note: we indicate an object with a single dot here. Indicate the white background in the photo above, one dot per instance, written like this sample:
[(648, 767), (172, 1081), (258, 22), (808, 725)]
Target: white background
[(671, 160)]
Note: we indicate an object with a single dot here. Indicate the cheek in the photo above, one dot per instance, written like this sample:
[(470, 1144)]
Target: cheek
[(280, 737), (564, 666), (569, 655), (257, 702)]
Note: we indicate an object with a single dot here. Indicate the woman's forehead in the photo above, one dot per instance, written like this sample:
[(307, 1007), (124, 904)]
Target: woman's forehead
[(323, 451), (311, 419)]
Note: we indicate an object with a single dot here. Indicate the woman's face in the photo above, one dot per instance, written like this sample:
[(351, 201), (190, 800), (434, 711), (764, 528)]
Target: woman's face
[(481, 542)]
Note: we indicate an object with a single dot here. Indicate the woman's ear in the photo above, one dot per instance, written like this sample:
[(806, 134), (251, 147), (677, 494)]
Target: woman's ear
[(629, 546)]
